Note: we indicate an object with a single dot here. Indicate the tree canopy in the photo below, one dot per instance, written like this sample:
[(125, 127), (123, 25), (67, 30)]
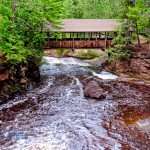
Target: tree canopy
[(21, 26)]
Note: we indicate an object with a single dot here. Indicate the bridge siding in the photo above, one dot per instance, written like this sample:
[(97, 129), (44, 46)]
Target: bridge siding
[(80, 44)]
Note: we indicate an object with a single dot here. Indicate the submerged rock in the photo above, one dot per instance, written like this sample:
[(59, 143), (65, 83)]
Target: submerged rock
[(92, 89)]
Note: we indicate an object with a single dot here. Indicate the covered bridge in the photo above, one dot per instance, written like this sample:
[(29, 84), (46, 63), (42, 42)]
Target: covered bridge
[(83, 33)]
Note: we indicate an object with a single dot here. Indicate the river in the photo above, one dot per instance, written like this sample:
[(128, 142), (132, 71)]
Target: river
[(55, 115)]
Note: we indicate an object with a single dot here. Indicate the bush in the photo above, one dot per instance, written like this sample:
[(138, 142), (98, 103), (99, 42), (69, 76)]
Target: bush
[(89, 54), (93, 53), (116, 54), (59, 51), (122, 46)]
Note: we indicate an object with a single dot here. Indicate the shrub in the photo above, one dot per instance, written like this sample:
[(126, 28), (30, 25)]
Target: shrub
[(59, 51), (89, 54), (116, 54)]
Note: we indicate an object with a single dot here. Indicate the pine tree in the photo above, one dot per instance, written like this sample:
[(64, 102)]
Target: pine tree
[(22, 24)]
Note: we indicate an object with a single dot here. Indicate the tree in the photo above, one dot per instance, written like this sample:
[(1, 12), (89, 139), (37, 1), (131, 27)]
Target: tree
[(91, 8), (22, 24), (68, 9), (144, 20)]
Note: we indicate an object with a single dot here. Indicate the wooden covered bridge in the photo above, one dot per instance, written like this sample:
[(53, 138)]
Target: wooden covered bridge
[(82, 33)]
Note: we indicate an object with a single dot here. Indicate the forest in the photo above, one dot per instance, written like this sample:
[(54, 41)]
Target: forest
[(74, 99), (21, 21)]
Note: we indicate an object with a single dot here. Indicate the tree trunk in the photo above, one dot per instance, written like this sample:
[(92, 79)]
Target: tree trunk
[(137, 33), (13, 10), (148, 54)]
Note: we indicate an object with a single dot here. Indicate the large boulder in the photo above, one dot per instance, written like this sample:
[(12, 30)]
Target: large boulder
[(92, 89)]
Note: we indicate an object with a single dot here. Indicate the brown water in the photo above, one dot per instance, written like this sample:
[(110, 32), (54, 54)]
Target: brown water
[(56, 116)]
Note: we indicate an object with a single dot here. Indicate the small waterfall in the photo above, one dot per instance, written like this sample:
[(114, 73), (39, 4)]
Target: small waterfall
[(65, 61), (71, 66)]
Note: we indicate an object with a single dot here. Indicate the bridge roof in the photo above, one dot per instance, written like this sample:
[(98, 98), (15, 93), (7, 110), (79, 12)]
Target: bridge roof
[(86, 25)]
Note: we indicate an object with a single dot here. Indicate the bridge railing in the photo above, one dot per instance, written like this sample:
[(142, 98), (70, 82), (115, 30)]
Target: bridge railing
[(80, 40), (79, 44)]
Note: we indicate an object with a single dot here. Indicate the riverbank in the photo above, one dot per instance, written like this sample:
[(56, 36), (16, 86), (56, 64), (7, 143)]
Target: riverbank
[(16, 78), (136, 69)]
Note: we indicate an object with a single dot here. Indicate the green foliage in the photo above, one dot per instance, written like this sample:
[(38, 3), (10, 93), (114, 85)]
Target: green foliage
[(137, 12), (21, 27), (59, 51), (117, 54), (121, 49), (87, 54), (135, 15), (122, 45), (93, 53), (91, 8)]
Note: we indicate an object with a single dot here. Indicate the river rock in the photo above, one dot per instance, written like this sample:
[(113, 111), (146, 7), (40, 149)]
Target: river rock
[(92, 89), (4, 77), (23, 80)]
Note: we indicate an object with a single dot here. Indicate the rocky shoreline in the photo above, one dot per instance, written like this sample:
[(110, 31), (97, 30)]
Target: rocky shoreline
[(16, 78), (136, 69)]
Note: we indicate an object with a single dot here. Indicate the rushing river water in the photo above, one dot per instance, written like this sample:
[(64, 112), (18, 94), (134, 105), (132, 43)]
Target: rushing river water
[(55, 115)]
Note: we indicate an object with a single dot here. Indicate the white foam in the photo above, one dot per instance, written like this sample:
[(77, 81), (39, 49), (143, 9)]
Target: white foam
[(105, 75), (65, 61)]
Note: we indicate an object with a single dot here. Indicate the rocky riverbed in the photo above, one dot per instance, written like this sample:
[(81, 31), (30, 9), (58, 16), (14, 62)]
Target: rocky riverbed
[(74, 110)]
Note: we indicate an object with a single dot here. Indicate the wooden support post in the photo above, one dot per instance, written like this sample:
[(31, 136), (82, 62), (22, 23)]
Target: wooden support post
[(91, 34), (99, 35), (96, 35), (80, 36), (48, 39), (73, 42), (56, 43), (88, 35), (56, 36), (105, 39)]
